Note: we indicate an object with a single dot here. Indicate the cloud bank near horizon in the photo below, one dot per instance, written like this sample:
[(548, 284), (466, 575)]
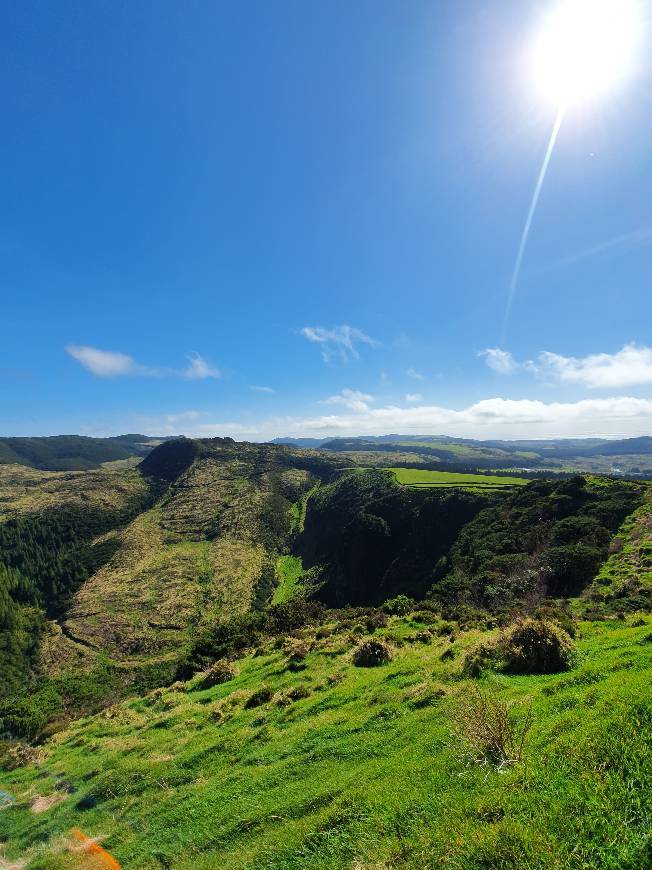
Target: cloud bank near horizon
[(494, 418)]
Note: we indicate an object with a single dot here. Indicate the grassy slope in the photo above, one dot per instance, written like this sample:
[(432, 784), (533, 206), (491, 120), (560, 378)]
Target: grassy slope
[(26, 490), (628, 571), (288, 574), (202, 550), (364, 772), (418, 477)]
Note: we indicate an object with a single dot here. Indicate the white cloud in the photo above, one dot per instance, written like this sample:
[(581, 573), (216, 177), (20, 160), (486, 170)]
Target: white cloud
[(500, 361), (413, 373), (103, 363), (198, 368), (352, 399), (258, 389), (621, 417), (109, 364), (339, 342), (630, 366), (413, 397)]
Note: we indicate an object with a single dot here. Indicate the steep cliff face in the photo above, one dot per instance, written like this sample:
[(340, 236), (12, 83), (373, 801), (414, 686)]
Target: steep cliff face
[(375, 539)]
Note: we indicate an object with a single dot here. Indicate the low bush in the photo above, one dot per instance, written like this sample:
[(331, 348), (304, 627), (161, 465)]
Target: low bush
[(375, 619), (399, 606), (259, 697), (558, 611), (298, 693), (296, 649), (537, 646), (371, 653), (220, 672), (532, 646)]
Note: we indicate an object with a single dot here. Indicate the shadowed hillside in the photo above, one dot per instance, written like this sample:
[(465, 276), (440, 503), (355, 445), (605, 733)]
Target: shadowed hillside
[(73, 452)]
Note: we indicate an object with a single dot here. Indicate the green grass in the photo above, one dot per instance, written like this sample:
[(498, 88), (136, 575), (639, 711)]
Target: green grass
[(299, 509), (366, 771), (627, 573), (424, 478), (289, 571)]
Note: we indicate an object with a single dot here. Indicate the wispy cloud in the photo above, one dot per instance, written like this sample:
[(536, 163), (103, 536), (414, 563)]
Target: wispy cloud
[(340, 342), (198, 368), (500, 361), (258, 389), (413, 397), (352, 399), (414, 374), (110, 364), (630, 366), (104, 363)]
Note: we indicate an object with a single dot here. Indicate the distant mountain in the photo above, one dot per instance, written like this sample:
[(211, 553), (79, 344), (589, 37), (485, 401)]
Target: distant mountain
[(73, 452), (629, 455), (638, 446)]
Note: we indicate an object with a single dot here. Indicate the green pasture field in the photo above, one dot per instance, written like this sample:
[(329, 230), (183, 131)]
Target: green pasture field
[(425, 478)]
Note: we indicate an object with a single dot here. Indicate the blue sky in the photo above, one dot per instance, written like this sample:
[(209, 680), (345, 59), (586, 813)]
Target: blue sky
[(299, 217)]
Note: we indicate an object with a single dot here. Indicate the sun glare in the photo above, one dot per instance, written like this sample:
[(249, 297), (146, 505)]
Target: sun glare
[(585, 48)]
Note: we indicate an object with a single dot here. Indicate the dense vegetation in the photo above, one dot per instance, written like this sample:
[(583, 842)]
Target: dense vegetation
[(44, 559), (546, 539), (374, 539)]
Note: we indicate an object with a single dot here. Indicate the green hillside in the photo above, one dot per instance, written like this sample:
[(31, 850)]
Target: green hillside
[(73, 452), (306, 761), (261, 656)]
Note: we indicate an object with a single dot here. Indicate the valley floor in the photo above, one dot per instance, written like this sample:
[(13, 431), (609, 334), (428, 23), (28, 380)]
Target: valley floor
[(336, 766)]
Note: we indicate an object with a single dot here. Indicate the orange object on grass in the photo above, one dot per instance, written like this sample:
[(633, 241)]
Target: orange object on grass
[(91, 846)]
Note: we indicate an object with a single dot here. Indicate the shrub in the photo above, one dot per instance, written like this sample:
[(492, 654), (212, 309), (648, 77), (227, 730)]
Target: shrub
[(398, 606), (298, 693), (261, 696), (536, 646), (296, 649), (552, 610), (491, 728), (371, 653), (375, 619), (220, 672), (216, 714), (532, 646)]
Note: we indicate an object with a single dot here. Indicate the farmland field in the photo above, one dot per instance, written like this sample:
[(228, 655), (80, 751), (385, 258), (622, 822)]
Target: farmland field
[(425, 478)]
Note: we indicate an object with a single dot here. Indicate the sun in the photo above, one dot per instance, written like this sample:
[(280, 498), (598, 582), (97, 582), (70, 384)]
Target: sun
[(585, 48)]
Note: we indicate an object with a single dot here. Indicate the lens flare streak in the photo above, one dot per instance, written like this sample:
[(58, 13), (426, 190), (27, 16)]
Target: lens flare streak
[(528, 221)]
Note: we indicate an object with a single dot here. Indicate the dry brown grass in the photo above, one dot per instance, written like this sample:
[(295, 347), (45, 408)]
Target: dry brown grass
[(491, 727)]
